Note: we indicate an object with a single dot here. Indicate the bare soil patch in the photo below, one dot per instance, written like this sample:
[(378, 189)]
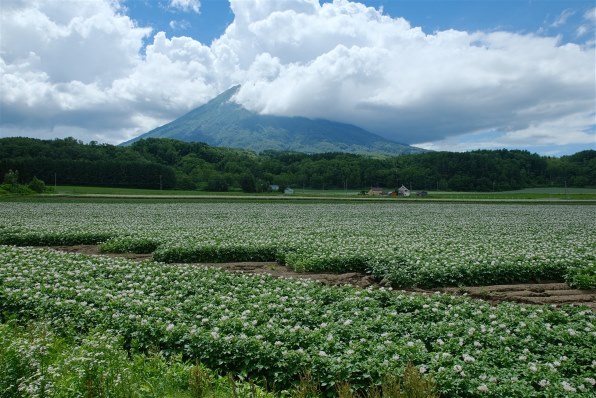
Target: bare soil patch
[(532, 293)]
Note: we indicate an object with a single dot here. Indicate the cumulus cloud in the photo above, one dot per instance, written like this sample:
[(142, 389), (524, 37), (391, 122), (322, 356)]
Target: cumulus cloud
[(58, 61), (81, 67), (351, 63), (186, 5)]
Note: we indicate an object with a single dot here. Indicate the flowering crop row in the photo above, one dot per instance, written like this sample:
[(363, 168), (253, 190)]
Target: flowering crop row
[(409, 244), (258, 326), (37, 362)]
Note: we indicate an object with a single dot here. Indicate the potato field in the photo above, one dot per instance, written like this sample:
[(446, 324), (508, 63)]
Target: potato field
[(275, 331), (425, 245)]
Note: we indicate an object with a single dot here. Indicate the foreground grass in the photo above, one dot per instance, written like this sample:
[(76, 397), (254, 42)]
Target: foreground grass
[(35, 361)]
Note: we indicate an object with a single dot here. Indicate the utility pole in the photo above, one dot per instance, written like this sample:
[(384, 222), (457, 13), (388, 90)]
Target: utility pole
[(160, 185)]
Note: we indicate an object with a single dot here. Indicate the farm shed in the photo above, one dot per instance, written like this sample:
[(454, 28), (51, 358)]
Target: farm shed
[(403, 191)]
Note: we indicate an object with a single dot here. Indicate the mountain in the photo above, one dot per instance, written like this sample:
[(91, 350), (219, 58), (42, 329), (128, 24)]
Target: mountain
[(222, 122)]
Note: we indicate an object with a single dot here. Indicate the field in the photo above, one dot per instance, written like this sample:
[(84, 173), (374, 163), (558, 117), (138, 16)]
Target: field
[(276, 331), (414, 245)]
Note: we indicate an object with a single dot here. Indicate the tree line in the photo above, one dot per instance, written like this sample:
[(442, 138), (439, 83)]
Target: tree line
[(165, 163)]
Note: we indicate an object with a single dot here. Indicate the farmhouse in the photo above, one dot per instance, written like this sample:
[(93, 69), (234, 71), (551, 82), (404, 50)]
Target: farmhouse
[(375, 192), (288, 191), (403, 191)]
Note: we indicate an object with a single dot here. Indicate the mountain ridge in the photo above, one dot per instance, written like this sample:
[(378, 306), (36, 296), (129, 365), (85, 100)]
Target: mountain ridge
[(224, 123)]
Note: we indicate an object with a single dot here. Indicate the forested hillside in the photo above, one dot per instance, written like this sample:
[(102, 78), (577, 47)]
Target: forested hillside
[(175, 164)]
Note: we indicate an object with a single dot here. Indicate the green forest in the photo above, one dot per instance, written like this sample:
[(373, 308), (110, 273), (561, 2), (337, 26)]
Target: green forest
[(171, 164)]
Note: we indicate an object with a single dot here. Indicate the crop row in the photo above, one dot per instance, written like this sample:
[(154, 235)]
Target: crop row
[(408, 244), (38, 362), (279, 329)]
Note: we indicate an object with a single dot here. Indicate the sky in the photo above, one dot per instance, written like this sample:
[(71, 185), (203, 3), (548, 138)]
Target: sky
[(439, 74)]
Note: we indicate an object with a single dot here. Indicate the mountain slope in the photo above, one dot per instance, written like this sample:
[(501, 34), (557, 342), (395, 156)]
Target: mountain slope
[(221, 122)]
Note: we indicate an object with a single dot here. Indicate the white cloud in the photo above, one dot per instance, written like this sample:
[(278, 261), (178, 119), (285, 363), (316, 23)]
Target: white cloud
[(582, 30), (182, 24), (565, 131), (562, 18), (382, 74), (78, 67), (590, 15), (590, 26), (186, 5)]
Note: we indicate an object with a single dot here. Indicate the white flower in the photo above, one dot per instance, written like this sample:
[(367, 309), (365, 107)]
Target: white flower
[(468, 358), (568, 387), (482, 388), (170, 327), (457, 368), (543, 383)]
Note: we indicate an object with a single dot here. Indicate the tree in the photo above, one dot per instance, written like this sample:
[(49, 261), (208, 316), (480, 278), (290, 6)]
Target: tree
[(12, 177), (248, 183), (37, 185), (217, 184)]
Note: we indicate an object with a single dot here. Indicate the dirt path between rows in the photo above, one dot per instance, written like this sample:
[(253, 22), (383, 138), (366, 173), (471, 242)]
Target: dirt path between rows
[(533, 293)]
